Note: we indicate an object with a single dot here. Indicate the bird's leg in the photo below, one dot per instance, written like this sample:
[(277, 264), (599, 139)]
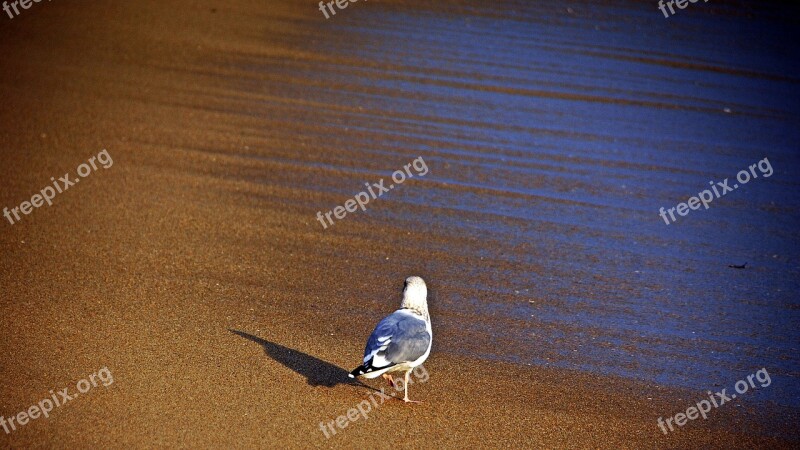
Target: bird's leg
[(389, 379), (406, 399)]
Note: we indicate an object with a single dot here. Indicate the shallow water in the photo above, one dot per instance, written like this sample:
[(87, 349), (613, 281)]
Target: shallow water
[(553, 134)]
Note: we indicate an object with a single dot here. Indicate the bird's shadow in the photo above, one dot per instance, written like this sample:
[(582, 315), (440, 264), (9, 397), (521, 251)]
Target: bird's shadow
[(316, 371)]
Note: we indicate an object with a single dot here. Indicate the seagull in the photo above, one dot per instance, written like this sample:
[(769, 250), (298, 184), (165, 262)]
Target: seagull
[(402, 340)]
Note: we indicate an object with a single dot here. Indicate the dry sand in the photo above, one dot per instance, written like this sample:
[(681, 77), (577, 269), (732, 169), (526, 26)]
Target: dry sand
[(194, 270)]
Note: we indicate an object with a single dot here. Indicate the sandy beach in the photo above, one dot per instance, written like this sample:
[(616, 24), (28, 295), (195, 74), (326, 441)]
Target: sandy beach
[(189, 262)]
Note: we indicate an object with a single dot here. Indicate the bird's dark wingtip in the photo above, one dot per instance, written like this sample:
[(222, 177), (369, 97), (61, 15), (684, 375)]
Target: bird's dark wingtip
[(358, 371)]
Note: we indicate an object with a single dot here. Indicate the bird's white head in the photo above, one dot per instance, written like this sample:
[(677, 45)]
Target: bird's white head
[(415, 296)]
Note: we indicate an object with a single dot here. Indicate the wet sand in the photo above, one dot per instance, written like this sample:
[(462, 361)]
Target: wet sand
[(566, 314)]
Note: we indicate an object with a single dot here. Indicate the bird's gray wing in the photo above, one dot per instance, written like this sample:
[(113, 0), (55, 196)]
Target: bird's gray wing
[(400, 337)]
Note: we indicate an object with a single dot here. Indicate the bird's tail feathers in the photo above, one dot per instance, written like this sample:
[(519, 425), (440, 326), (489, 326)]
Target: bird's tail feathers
[(366, 369), (358, 371)]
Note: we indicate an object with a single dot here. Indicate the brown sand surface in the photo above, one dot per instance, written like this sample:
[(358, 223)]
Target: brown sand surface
[(195, 271)]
